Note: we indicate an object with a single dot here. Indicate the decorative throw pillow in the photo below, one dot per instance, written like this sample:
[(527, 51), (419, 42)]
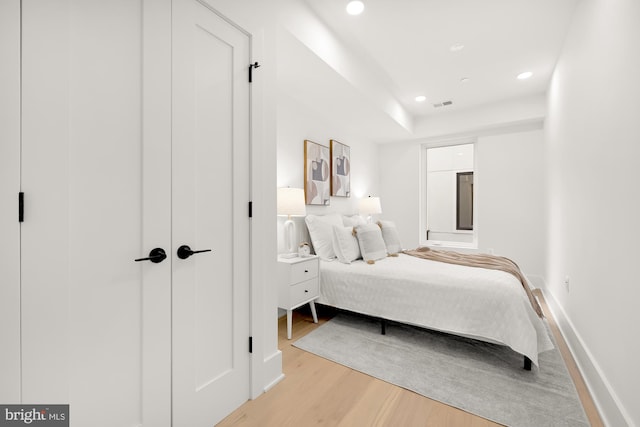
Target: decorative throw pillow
[(353, 220), (371, 242), (345, 244), (321, 233), (390, 236)]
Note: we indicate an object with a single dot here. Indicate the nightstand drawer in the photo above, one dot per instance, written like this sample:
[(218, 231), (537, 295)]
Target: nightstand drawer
[(303, 271), (298, 284), (303, 292)]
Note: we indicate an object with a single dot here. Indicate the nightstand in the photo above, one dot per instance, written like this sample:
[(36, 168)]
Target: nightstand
[(297, 285)]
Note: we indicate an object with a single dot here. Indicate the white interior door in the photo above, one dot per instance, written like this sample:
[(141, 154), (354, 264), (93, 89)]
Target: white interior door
[(156, 213), (47, 303), (9, 187), (211, 179), (119, 156)]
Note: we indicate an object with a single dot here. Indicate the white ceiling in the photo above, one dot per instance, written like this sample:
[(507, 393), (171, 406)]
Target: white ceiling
[(410, 41), (404, 46)]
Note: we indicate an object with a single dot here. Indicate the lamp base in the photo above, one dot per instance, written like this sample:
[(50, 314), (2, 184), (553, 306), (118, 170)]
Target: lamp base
[(289, 255)]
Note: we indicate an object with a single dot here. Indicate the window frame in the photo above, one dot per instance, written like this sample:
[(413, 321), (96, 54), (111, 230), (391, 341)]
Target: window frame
[(458, 212), (424, 220)]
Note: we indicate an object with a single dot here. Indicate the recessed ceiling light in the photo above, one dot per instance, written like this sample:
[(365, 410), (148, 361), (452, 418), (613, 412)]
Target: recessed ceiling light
[(355, 7), (525, 75), (421, 98), (456, 47), (465, 80)]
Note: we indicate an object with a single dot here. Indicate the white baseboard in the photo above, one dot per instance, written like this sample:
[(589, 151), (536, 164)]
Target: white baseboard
[(273, 383), (272, 370), (605, 398)]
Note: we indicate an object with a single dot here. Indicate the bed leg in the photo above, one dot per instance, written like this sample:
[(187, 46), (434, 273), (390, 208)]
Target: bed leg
[(383, 327), (527, 364)]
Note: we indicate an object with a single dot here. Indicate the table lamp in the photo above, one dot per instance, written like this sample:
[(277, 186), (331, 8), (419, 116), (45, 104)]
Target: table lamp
[(290, 203), (370, 206)]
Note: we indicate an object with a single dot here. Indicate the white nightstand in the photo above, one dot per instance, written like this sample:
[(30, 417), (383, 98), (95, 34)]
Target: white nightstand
[(297, 285)]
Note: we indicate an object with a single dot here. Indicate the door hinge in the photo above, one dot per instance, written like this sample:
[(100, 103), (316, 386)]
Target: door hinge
[(251, 67), (250, 209), (21, 207), (250, 344)]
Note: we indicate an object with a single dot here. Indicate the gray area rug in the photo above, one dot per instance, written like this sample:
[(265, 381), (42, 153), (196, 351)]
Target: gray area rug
[(481, 378)]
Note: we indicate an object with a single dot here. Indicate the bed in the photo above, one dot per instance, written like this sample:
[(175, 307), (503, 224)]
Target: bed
[(484, 304)]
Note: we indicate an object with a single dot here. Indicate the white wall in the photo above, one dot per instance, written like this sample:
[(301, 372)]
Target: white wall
[(401, 189), (509, 180), (511, 201), (592, 140), (297, 122)]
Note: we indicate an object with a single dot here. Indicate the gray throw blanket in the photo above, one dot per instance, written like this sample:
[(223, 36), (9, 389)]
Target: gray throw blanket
[(491, 262)]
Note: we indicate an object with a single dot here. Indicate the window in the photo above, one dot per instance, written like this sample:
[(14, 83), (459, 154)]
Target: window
[(464, 200), (450, 194)]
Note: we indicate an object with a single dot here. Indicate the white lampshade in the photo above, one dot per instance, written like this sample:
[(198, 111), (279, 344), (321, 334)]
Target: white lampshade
[(370, 206), (291, 202)]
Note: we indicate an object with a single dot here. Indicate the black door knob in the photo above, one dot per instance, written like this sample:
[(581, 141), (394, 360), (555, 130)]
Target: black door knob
[(156, 255), (185, 251)]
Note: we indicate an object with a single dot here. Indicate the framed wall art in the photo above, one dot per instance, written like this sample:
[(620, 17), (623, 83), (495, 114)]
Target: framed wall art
[(340, 169), (317, 163)]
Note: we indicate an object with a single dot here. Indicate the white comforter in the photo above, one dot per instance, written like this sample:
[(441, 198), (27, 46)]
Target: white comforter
[(489, 305)]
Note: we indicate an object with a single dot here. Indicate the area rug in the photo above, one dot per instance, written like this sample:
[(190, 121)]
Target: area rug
[(481, 378)]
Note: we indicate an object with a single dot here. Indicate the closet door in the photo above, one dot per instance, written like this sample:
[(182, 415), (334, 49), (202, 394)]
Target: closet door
[(135, 136), (96, 325), (46, 270), (9, 188), (210, 212), (155, 216)]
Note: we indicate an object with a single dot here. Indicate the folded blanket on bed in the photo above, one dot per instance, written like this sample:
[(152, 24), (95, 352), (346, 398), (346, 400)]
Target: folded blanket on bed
[(491, 262)]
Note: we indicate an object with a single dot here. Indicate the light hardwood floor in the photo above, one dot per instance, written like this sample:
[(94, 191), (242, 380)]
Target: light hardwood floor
[(317, 392)]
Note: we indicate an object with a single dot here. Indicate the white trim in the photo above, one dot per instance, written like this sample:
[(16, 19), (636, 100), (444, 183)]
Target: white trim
[(273, 383), (272, 369), (447, 141), (266, 360), (449, 245), (425, 146), (609, 406)]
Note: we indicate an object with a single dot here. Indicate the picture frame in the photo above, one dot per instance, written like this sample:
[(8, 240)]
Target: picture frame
[(317, 173), (340, 169)]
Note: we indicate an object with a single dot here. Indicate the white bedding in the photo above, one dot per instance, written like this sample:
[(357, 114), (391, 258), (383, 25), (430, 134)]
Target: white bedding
[(489, 305)]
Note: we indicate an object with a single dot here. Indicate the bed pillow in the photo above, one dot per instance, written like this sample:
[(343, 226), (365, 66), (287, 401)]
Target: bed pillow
[(371, 242), (353, 220), (390, 236), (345, 244), (321, 233)]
